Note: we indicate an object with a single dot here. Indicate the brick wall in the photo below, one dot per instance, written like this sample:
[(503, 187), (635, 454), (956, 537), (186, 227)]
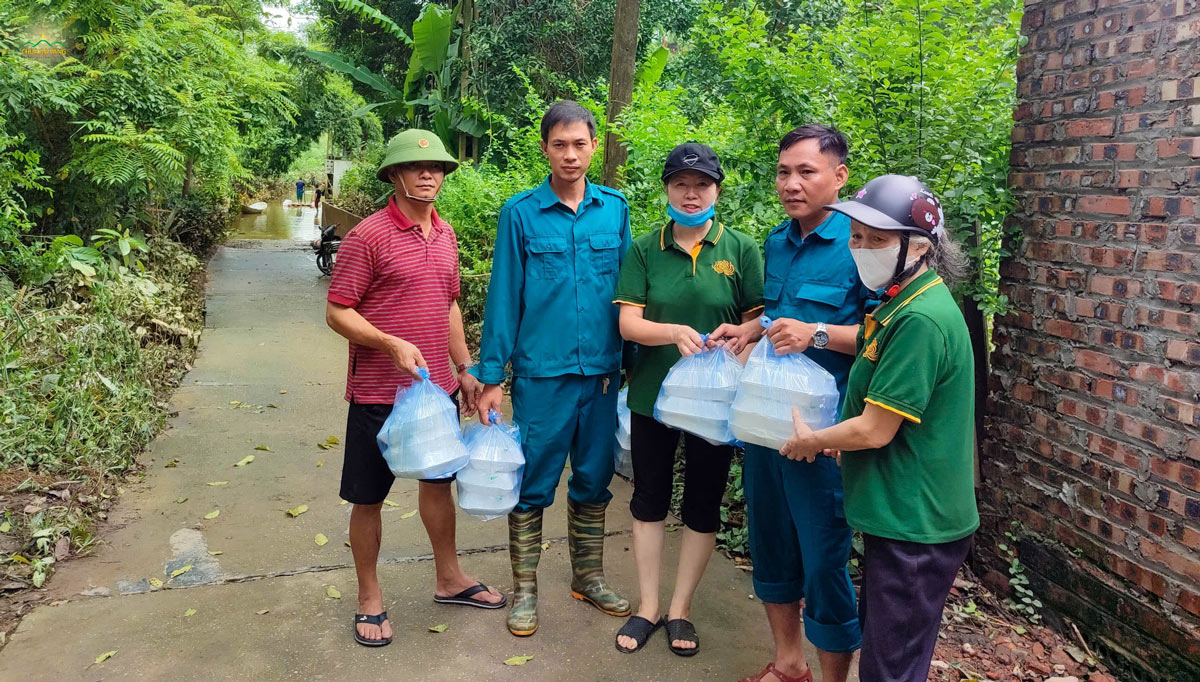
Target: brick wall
[(1094, 428)]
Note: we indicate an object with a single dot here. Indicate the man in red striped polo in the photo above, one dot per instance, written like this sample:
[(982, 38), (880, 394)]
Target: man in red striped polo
[(394, 297)]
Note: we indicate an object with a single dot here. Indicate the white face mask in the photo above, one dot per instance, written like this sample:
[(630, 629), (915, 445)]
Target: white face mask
[(877, 266)]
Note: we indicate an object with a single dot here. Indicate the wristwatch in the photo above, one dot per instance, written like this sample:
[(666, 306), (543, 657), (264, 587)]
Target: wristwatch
[(462, 366), (820, 337)]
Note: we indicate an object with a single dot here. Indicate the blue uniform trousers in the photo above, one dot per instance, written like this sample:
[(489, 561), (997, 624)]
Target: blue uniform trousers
[(571, 415)]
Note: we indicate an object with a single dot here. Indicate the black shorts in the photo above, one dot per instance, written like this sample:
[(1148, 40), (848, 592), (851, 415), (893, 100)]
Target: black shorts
[(366, 478)]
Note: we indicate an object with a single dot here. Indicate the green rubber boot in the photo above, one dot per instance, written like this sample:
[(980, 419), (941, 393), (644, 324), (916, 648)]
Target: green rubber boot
[(524, 550), (585, 523)]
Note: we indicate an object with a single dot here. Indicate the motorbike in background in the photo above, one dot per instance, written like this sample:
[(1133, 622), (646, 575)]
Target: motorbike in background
[(326, 247)]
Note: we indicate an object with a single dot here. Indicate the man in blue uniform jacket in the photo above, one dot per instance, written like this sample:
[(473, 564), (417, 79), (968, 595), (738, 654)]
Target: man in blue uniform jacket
[(549, 312)]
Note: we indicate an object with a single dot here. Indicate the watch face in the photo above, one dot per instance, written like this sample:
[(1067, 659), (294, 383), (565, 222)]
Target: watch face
[(820, 339)]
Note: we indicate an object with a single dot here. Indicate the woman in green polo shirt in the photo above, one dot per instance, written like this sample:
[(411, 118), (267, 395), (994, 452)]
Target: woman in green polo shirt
[(906, 439), (693, 274)]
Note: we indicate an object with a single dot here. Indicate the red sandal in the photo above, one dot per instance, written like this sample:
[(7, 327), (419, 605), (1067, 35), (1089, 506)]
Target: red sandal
[(772, 670)]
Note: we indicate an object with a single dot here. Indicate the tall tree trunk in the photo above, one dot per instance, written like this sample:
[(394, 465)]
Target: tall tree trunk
[(187, 178), (620, 82), (464, 53)]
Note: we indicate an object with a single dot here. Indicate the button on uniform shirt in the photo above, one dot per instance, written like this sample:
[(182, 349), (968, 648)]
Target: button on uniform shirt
[(549, 307), (403, 284), (914, 359), (814, 279), (717, 282)]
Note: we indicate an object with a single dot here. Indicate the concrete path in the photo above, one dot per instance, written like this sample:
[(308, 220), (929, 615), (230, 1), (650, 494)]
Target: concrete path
[(269, 373)]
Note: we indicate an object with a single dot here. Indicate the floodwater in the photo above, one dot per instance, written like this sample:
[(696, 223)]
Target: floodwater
[(277, 222)]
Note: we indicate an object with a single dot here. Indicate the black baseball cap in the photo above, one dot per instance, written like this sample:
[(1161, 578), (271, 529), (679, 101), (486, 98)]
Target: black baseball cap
[(898, 203), (695, 157)]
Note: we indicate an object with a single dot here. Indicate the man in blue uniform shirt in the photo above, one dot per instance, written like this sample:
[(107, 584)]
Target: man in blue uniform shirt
[(799, 539), (549, 312)]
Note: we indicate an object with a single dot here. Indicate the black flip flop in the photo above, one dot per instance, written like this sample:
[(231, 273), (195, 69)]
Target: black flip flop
[(377, 619), (464, 598), (640, 629), (684, 630)]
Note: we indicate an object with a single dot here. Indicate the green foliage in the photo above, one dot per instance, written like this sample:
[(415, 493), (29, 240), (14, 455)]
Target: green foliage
[(1023, 601)]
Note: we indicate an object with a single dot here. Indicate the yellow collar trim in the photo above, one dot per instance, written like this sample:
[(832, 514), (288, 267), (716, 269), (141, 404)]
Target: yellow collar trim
[(936, 281), (662, 235)]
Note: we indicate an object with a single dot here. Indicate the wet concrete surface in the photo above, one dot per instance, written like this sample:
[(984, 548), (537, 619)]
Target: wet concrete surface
[(270, 373)]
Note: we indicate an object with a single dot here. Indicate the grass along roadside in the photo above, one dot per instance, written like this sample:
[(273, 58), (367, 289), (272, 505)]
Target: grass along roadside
[(86, 367)]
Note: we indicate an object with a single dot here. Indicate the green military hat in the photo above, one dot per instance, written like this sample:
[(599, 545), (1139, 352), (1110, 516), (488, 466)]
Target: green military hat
[(415, 145)]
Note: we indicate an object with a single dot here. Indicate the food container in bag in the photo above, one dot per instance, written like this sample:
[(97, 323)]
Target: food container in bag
[(697, 393), (771, 385), (421, 438)]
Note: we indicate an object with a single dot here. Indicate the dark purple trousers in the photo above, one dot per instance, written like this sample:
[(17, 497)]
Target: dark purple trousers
[(904, 589)]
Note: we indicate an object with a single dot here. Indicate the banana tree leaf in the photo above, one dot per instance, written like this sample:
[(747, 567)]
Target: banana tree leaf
[(431, 36), (444, 127), (432, 101), (362, 110), (343, 65), (652, 69), (471, 125), (412, 83), (369, 13)]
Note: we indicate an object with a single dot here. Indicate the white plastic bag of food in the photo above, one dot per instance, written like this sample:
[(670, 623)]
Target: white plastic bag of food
[(421, 438), (697, 393), (622, 453), (771, 385), (490, 485)]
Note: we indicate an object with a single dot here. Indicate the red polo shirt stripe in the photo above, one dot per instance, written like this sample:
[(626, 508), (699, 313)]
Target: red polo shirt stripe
[(403, 284)]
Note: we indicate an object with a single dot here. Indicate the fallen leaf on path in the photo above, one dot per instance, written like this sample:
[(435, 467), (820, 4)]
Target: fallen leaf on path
[(244, 461), (5, 527), (387, 503), (518, 660), (409, 515), (213, 514), (672, 529), (120, 491), (262, 447), (332, 440), (325, 446), (171, 464), (273, 405), (297, 511), (343, 502), (62, 547), (106, 655), (263, 612), (235, 402), (332, 592), (216, 552), (180, 571), (189, 612), (155, 582), (283, 392), (218, 483), (320, 463), (347, 543), (545, 545), (320, 539), (438, 628), (181, 500)]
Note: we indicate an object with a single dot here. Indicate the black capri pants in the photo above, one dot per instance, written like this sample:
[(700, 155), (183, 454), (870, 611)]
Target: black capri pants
[(705, 473)]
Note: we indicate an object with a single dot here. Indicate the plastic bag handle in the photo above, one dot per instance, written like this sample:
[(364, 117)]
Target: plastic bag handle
[(703, 339), (765, 322), (495, 417), (423, 372)]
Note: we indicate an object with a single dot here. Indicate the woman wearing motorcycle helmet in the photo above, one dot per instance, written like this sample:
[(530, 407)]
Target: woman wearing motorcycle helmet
[(906, 439)]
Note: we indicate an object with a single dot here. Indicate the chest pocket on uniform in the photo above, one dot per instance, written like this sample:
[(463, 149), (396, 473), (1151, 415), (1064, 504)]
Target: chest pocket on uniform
[(605, 258), (772, 289), (547, 258), (832, 295)]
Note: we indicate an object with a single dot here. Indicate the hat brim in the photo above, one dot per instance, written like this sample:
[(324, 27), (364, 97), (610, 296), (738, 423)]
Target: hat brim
[(871, 217), (449, 162), (719, 176)]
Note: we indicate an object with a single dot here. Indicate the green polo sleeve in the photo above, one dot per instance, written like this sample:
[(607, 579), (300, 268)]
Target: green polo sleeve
[(911, 357), (633, 287), (750, 285)]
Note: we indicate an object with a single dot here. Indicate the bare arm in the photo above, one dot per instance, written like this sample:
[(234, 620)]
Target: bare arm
[(460, 356), (794, 336), (635, 327), (349, 323), (874, 428)]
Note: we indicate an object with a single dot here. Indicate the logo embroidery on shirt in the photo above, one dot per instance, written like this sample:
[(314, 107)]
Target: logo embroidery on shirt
[(871, 352), (724, 267)]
